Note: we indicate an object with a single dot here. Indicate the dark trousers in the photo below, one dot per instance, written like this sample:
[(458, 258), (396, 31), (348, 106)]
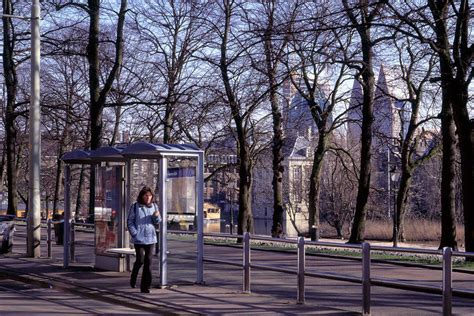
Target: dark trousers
[(143, 257)]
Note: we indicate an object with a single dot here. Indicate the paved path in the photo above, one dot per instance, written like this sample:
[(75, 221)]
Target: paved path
[(273, 293)]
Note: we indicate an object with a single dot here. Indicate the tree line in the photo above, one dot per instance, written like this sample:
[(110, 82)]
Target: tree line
[(200, 71)]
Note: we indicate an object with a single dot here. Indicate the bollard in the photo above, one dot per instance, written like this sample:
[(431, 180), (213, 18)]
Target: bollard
[(313, 233), (246, 263), (366, 278), (301, 270), (49, 237), (447, 281)]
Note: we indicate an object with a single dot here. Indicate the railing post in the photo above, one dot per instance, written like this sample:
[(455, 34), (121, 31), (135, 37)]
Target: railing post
[(49, 237), (73, 241), (366, 278), (246, 263), (301, 270), (447, 281)]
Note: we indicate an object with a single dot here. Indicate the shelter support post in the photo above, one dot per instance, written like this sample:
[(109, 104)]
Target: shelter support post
[(128, 193), (163, 166), (200, 220), (67, 215)]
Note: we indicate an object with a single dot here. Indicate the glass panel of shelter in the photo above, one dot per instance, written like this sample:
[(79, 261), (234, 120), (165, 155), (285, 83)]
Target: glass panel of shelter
[(180, 188)]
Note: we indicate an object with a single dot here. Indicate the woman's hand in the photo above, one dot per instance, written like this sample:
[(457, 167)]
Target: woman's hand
[(157, 216)]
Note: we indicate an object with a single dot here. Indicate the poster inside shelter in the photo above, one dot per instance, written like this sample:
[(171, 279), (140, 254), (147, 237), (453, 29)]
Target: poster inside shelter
[(107, 208), (181, 190)]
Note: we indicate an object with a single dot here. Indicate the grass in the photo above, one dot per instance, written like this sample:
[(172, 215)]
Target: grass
[(416, 231)]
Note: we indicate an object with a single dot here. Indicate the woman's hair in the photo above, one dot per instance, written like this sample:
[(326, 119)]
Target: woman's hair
[(141, 195)]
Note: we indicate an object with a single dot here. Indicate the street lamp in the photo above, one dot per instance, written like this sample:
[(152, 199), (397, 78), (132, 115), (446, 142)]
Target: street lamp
[(34, 198), (394, 176)]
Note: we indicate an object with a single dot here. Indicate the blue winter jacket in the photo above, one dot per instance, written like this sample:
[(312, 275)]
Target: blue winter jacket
[(141, 223)]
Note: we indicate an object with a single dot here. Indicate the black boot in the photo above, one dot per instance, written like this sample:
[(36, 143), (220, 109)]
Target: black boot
[(133, 280)]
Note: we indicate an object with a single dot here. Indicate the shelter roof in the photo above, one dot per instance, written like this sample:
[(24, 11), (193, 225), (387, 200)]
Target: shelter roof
[(78, 156), (147, 150), (139, 150), (108, 153)]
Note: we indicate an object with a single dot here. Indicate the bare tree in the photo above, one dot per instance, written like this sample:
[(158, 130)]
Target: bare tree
[(416, 65), (271, 23), (444, 26), (337, 190), (13, 36), (242, 96), (362, 15), (171, 32), (63, 101), (317, 68), (98, 94)]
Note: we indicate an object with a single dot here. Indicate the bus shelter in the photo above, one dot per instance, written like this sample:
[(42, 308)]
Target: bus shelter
[(175, 171), (75, 157), (109, 206), (108, 167)]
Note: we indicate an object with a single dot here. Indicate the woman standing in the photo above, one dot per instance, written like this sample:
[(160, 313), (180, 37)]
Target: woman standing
[(142, 218)]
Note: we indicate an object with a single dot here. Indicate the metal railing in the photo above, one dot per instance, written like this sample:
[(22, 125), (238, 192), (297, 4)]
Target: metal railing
[(446, 290), (49, 234)]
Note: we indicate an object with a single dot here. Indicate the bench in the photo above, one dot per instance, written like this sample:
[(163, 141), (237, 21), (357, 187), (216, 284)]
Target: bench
[(125, 252)]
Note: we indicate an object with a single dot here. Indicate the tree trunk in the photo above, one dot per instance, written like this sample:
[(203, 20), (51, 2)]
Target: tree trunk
[(58, 183), (11, 83), (363, 28), (452, 93), (245, 216), (448, 190), (116, 132), (315, 183), (94, 74), (278, 169), (463, 129), (2, 170), (401, 204), (277, 166), (79, 192), (463, 58), (168, 119), (358, 227)]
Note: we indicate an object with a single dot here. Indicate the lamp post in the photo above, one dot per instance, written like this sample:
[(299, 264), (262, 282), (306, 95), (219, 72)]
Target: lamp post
[(34, 198), (394, 175)]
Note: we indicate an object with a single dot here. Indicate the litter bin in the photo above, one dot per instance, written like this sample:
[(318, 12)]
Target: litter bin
[(58, 228), (313, 233), (7, 228)]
